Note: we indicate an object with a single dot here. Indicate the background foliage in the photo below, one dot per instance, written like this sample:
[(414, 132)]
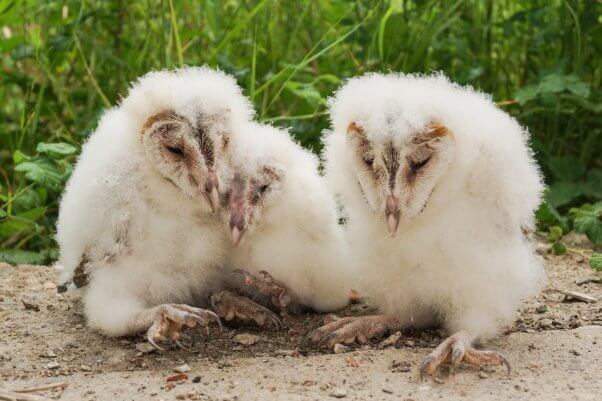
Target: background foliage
[(64, 62)]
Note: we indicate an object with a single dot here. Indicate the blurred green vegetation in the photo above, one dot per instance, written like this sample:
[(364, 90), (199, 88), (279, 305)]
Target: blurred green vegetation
[(64, 62)]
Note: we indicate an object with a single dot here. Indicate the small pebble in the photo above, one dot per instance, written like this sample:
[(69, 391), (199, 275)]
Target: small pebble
[(409, 343), (182, 369), (30, 303), (246, 339), (391, 340), (53, 365), (340, 349), (145, 348), (196, 379), (339, 393), (387, 391), (483, 375), (541, 309), (85, 368)]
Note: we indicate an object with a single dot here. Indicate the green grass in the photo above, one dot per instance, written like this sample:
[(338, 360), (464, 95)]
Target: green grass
[(64, 62)]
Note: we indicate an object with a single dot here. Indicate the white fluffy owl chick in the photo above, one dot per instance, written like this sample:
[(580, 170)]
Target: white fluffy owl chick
[(440, 188), (135, 225), (283, 222)]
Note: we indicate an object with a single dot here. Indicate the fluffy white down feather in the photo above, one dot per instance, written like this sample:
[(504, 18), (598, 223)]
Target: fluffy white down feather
[(172, 246), (463, 261), (297, 238)]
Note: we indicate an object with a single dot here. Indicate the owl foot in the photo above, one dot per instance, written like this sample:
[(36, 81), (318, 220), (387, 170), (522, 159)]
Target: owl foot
[(268, 286), (169, 319), (229, 305), (349, 330), (457, 348)]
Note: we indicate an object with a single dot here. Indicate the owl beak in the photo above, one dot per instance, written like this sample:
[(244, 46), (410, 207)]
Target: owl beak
[(392, 214), (237, 228), (211, 193)]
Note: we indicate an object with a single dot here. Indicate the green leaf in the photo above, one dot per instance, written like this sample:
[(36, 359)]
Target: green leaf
[(592, 187), (563, 192), (559, 248), (554, 234), (596, 261), (42, 172), (2, 213), (21, 257), (590, 226), (56, 149), (552, 83), (548, 216), (523, 95), (14, 225), (19, 156), (567, 168)]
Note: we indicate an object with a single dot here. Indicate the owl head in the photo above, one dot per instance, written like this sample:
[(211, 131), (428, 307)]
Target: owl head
[(185, 119), (397, 151), (261, 185)]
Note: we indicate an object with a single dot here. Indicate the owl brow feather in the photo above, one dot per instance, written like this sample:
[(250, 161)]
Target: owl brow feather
[(391, 162)]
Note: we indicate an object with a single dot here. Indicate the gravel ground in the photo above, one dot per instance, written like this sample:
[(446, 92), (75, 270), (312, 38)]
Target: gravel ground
[(555, 348)]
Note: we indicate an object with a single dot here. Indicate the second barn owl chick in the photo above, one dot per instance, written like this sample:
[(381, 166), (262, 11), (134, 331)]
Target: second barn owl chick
[(440, 187), (136, 227), (283, 222)]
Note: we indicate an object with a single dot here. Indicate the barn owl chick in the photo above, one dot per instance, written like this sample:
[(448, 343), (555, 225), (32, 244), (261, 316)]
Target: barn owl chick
[(136, 227), (283, 222), (440, 187)]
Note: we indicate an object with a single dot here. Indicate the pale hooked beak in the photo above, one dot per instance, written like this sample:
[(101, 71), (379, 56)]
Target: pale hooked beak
[(392, 214), (211, 194), (236, 236), (237, 227)]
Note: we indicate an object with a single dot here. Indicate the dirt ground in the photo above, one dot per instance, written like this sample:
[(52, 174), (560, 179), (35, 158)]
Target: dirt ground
[(555, 348)]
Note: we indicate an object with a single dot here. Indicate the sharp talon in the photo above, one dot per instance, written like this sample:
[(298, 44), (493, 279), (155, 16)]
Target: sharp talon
[(507, 364), (152, 342), (424, 366), (325, 340)]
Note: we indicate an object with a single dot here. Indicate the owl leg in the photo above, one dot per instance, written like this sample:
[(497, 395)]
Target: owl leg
[(458, 348), (167, 320), (229, 305), (266, 285), (348, 330)]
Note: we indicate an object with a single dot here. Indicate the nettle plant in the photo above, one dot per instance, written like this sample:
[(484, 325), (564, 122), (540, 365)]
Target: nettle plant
[(28, 211)]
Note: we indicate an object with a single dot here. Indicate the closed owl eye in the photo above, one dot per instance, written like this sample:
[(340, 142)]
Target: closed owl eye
[(418, 164), (263, 189), (368, 160), (176, 150)]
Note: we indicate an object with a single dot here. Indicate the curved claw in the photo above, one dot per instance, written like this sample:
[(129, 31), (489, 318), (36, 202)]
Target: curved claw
[(152, 342), (216, 319), (506, 364)]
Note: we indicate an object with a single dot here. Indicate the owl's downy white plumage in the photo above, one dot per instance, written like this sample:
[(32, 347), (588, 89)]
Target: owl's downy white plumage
[(136, 227), (440, 187), (283, 219)]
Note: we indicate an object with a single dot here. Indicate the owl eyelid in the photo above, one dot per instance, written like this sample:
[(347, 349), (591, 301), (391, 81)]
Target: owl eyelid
[(176, 150), (417, 164)]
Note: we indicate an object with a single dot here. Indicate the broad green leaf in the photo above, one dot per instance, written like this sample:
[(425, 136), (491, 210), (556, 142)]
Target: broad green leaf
[(56, 149), (552, 83), (548, 216), (19, 156), (590, 225), (42, 172), (33, 214), (14, 225), (592, 187), (2, 213), (523, 95), (567, 168), (595, 261), (563, 192), (21, 257)]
